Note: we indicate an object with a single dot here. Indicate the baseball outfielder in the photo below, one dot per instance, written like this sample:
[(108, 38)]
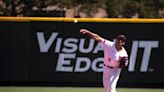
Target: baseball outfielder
[(115, 58)]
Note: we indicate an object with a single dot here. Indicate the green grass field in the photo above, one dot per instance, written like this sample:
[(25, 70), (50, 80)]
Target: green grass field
[(73, 89)]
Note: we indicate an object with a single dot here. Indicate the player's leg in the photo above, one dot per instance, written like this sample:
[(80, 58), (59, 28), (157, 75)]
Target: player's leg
[(106, 79), (114, 79)]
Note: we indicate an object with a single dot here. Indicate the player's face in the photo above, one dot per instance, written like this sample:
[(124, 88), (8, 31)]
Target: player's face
[(119, 44)]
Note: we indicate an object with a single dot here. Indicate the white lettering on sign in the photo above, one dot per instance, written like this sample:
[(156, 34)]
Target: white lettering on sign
[(68, 61), (148, 46)]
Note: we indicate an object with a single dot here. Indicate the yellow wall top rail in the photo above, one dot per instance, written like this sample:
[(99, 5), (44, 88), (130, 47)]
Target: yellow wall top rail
[(75, 20)]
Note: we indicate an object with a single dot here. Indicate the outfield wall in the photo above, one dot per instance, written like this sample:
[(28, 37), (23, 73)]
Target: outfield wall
[(51, 51)]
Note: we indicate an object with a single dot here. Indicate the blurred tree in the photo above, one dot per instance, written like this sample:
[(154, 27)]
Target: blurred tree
[(131, 8), (160, 4), (115, 7), (148, 9), (87, 6)]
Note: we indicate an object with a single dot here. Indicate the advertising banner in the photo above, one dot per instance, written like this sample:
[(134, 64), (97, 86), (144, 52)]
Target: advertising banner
[(61, 54), (14, 51), (55, 53)]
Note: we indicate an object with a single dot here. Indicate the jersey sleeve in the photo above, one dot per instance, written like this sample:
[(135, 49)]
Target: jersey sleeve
[(105, 43)]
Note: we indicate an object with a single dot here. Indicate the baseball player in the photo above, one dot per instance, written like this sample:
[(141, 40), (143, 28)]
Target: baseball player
[(115, 58)]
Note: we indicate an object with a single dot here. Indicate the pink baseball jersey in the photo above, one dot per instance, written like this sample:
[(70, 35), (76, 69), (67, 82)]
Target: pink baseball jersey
[(111, 54)]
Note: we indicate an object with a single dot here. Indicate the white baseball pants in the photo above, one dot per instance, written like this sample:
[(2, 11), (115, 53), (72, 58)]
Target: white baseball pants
[(110, 78)]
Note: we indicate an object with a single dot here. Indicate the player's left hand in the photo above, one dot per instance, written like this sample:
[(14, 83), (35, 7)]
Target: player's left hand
[(123, 62)]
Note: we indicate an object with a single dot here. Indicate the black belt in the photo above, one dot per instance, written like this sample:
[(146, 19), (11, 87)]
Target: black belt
[(109, 66)]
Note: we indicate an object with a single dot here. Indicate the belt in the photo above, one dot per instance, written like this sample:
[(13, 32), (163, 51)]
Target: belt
[(109, 66)]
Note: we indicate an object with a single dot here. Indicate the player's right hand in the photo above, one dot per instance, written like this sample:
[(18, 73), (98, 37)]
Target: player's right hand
[(83, 31)]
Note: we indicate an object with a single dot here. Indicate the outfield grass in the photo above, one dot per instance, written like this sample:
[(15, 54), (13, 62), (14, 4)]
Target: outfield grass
[(72, 89)]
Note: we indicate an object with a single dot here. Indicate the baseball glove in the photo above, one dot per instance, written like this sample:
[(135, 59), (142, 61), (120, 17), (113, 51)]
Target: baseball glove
[(123, 62)]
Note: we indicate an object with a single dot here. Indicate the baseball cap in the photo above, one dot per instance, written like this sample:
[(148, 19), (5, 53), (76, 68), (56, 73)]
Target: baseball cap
[(121, 37)]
